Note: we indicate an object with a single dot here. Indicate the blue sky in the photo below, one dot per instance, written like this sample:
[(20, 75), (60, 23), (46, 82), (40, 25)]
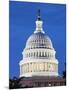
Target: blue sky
[(22, 17)]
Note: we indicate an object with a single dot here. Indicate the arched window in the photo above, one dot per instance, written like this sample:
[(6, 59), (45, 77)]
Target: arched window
[(45, 54), (39, 54), (35, 41), (42, 54), (29, 54), (34, 54), (48, 54)]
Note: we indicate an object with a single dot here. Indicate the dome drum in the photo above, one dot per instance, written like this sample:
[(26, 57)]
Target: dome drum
[(39, 53), (37, 68)]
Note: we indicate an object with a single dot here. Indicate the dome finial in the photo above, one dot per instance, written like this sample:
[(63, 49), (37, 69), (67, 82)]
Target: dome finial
[(39, 23), (39, 17)]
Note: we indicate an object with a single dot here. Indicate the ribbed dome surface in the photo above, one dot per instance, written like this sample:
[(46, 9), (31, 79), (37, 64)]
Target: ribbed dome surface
[(39, 40)]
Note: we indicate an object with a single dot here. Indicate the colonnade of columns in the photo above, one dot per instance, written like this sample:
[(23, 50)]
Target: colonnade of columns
[(38, 67)]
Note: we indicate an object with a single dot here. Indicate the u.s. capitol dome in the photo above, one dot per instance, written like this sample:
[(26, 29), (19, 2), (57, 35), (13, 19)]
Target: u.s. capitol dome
[(39, 54)]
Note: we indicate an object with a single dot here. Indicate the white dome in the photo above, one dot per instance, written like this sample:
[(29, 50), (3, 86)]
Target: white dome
[(39, 55), (39, 40)]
